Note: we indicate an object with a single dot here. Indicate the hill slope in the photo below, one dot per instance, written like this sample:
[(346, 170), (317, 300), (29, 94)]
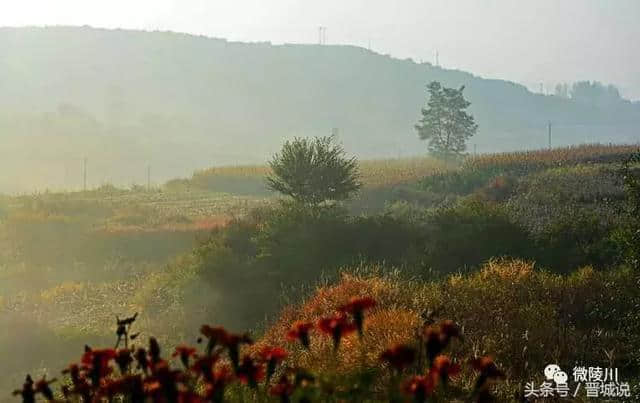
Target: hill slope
[(126, 99)]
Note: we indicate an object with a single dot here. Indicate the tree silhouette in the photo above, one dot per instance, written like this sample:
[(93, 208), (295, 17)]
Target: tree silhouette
[(312, 171), (445, 123)]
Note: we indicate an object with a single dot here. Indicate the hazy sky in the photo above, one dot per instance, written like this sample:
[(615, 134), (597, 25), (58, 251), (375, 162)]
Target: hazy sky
[(528, 41)]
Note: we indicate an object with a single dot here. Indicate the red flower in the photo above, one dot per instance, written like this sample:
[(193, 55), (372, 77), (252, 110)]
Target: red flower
[(399, 356), (135, 387), (300, 331), (215, 336), (450, 329), (123, 359), (222, 375), (42, 387), (420, 387), (184, 352), (168, 380), (337, 327), (214, 390), (154, 351), (27, 392), (204, 366), (105, 355), (97, 362), (74, 373), (283, 389), (273, 353), (358, 304), (356, 307), (113, 387), (80, 385), (272, 356), (488, 371), (186, 396), (250, 373), (233, 342), (443, 368), (438, 337), (141, 358)]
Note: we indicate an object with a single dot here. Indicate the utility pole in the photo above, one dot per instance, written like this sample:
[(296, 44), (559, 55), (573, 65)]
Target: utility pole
[(322, 35), (549, 128), (475, 149), (84, 175)]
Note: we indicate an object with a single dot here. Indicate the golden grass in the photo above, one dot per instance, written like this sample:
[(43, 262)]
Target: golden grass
[(554, 156), (508, 309), (236, 170), (374, 173)]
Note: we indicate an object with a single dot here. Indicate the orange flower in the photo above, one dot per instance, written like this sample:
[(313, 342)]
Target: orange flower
[(184, 352), (300, 331), (356, 307), (337, 327), (420, 387), (399, 357)]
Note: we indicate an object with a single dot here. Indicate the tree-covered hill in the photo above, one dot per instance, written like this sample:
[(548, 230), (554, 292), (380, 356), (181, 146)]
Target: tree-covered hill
[(128, 99)]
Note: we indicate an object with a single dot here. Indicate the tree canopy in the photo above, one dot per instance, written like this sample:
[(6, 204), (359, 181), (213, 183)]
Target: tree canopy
[(312, 171), (445, 123)]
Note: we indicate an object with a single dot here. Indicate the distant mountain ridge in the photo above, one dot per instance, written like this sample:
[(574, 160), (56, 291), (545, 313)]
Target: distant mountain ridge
[(127, 99)]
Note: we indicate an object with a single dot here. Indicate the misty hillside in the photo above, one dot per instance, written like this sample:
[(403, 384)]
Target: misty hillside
[(129, 99)]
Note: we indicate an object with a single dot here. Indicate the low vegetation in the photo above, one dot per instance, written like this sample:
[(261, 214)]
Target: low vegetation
[(499, 244)]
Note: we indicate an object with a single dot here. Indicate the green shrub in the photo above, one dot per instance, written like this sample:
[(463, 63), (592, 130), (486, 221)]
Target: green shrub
[(293, 246), (577, 239), (628, 234), (470, 233)]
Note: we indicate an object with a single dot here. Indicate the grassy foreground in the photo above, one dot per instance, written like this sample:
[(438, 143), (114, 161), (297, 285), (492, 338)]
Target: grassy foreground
[(375, 336)]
